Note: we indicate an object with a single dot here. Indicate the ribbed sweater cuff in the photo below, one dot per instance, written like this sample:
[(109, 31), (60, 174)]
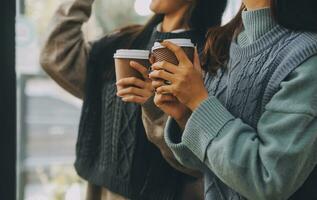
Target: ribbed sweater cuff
[(182, 154), (202, 127)]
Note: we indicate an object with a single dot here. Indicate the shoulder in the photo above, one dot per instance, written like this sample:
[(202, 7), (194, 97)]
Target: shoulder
[(300, 43), (292, 51), (296, 60), (298, 91), (121, 38)]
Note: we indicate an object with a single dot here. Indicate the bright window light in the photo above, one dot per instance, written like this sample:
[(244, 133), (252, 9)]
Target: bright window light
[(73, 192), (141, 7)]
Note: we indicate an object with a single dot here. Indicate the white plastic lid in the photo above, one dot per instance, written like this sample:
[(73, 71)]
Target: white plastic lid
[(178, 41), (132, 53)]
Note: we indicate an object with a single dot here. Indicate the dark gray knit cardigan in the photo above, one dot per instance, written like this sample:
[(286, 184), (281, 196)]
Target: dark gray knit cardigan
[(112, 149)]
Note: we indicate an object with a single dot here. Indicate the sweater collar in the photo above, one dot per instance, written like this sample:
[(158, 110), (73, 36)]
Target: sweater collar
[(260, 32), (196, 37), (256, 23)]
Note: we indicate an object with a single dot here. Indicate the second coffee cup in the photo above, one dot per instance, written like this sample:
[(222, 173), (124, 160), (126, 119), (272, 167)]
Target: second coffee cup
[(161, 53), (122, 62)]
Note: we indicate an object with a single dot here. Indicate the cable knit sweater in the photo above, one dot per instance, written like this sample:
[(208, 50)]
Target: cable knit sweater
[(257, 132), (66, 63)]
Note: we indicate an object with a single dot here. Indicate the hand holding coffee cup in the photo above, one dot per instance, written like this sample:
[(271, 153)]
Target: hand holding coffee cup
[(123, 57), (133, 84), (186, 78), (162, 54)]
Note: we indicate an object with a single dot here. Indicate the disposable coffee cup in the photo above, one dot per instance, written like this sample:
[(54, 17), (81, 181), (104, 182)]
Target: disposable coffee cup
[(161, 53), (122, 62)]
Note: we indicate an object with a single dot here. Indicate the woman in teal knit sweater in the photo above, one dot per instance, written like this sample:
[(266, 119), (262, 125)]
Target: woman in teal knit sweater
[(249, 121)]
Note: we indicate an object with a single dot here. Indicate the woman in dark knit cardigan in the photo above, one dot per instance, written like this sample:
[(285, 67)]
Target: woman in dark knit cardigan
[(113, 153), (252, 121)]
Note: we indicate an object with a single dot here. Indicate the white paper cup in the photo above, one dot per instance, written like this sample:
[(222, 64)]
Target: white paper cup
[(122, 62)]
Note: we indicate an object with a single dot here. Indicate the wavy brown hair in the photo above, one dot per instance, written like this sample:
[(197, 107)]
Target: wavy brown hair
[(291, 14)]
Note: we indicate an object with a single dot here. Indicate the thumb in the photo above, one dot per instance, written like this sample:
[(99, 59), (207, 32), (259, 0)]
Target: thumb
[(152, 59)]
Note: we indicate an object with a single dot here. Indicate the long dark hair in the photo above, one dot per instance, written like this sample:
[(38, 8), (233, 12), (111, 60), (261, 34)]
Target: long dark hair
[(291, 14), (203, 15)]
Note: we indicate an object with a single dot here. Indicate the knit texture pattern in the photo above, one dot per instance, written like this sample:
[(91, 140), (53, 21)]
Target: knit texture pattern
[(112, 148), (254, 72), (261, 57)]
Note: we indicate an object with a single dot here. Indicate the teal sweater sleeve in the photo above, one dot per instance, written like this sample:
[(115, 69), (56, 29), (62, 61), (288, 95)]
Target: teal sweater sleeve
[(270, 162)]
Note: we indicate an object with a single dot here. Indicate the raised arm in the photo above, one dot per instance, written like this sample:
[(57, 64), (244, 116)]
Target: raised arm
[(65, 51)]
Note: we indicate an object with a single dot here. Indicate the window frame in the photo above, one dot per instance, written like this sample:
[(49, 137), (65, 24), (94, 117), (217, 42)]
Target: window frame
[(8, 101)]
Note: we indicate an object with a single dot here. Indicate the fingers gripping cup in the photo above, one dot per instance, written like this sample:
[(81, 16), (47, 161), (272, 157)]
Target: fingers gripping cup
[(161, 53), (122, 62)]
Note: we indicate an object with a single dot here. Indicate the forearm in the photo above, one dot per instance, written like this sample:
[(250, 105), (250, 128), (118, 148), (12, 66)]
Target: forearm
[(170, 158), (183, 121), (152, 112), (65, 51), (234, 151), (155, 134), (271, 168)]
